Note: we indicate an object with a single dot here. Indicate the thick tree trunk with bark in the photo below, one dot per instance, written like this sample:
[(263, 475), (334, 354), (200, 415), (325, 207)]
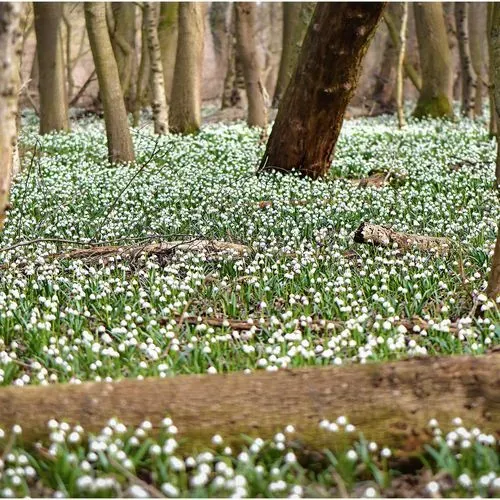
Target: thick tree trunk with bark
[(121, 23), (120, 148), (261, 404), (296, 19), (245, 22), (51, 74), (167, 34), (468, 76), (477, 28), (185, 106), (435, 98), (311, 113), (11, 38), (159, 103)]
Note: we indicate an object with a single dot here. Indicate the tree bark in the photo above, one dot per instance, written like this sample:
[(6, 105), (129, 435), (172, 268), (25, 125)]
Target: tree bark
[(311, 113), (296, 19), (493, 289), (120, 148), (11, 38), (185, 106), (219, 26), (262, 403), (274, 48), (494, 56), (477, 28), (122, 32), (468, 76), (245, 22), (399, 71), (159, 103), (167, 34), (143, 79), (52, 85), (435, 99)]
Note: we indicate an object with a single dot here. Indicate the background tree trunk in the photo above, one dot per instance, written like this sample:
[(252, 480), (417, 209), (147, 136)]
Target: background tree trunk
[(311, 113), (262, 403), (245, 22), (468, 93), (143, 79), (273, 54), (185, 107), (159, 103), (494, 56), (400, 73), (52, 85), (11, 38), (121, 25), (493, 289), (296, 19), (120, 148), (477, 28), (167, 34), (435, 98), (219, 26)]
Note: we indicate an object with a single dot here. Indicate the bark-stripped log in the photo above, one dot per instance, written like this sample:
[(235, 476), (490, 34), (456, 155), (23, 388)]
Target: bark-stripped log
[(391, 403), (386, 237)]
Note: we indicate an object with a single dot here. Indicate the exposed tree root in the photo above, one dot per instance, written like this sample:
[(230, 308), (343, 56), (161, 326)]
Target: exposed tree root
[(386, 237), (391, 403), (161, 250)]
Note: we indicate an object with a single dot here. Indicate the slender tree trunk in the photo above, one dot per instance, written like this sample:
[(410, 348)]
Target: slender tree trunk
[(167, 34), (494, 53), (11, 38), (435, 98), (52, 86), (68, 58), (245, 22), (274, 46), (185, 107), (311, 113), (120, 148), (121, 23), (477, 28), (467, 71), (143, 79), (491, 74), (296, 19), (400, 74), (218, 16), (159, 104), (261, 403)]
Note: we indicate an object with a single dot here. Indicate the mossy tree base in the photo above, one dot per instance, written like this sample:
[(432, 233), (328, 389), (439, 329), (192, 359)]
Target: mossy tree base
[(433, 107)]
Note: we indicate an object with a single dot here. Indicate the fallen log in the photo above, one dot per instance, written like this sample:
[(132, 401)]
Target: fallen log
[(386, 237), (162, 249), (391, 403)]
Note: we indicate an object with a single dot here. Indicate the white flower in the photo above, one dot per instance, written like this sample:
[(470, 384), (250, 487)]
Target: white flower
[(169, 490)]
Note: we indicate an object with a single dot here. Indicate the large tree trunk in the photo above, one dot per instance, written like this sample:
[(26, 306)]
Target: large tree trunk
[(477, 28), (185, 106), (121, 23), (311, 113), (262, 403), (159, 103), (52, 85), (120, 148), (245, 22), (167, 34), (11, 38), (296, 19), (494, 56), (468, 93), (435, 98)]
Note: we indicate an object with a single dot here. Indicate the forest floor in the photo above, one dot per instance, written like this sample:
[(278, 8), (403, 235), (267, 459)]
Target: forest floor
[(66, 319)]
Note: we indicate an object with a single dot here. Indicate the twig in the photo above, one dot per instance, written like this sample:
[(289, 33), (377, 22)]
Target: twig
[(131, 477)]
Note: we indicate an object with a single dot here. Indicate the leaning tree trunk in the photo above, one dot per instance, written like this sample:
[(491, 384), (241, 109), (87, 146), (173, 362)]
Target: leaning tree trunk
[(167, 34), (51, 77), (120, 148), (477, 28), (494, 53), (122, 31), (435, 98), (185, 106), (245, 22), (11, 38), (296, 19), (311, 113), (467, 71), (159, 103)]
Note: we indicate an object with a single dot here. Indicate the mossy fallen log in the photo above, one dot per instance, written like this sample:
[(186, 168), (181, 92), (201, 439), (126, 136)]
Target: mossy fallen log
[(390, 403), (387, 237)]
